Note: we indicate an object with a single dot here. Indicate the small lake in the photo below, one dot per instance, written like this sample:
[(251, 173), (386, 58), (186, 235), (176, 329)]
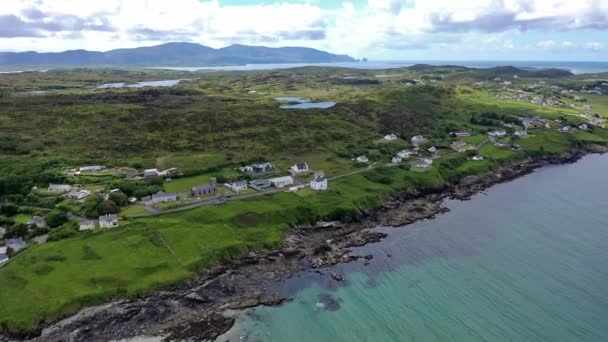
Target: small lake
[(163, 83), (303, 103)]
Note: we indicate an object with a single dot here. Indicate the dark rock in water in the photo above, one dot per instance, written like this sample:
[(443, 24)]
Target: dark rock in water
[(323, 248), (327, 302), (206, 329), (337, 276)]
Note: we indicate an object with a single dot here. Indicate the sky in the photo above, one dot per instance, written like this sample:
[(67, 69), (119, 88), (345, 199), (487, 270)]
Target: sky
[(567, 30)]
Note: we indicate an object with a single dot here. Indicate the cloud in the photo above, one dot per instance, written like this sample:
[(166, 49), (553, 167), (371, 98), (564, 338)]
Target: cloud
[(148, 34), (12, 26)]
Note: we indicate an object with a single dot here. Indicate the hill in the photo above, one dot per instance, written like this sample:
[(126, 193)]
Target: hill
[(175, 54)]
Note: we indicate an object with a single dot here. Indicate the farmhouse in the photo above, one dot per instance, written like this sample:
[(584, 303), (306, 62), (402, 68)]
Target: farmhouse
[(404, 154), (362, 159), (477, 158), (319, 183), (162, 197), (432, 149), (78, 194), (87, 225), (59, 187), (237, 186), (424, 163), (37, 221), (391, 137), (16, 244), (583, 127), (520, 133), (108, 221), (497, 134), (418, 139), (206, 189), (91, 168), (458, 146), (299, 168), (281, 182)]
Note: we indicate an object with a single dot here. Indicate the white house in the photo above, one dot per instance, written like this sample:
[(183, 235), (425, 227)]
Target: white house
[(319, 183), (583, 127), (163, 197), (87, 225), (424, 163), (391, 137), (396, 160), (60, 187), (476, 158), (281, 182), (418, 139), (78, 194), (520, 133), (432, 149), (461, 133), (91, 168), (404, 154), (300, 167), (238, 186), (252, 92), (497, 134), (458, 146), (362, 159), (108, 221), (151, 173)]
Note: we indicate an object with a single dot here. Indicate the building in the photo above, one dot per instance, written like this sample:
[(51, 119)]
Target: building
[(163, 197), (520, 133), (565, 129), (362, 159), (418, 140), (461, 134), (259, 183), (535, 122), (432, 149), (252, 92), (59, 187), (238, 186), (108, 221), (404, 154), (91, 168), (497, 134), (281, 182), (458, 146), (78, 194), (87, 225), (391, 137), (151, 173), (396, 160), (299, 168), (16, 244), (205, 189), (37, 221), (319, 183), (257, 168), (424, 163), (477, 158), (2, 232), (583, 127)]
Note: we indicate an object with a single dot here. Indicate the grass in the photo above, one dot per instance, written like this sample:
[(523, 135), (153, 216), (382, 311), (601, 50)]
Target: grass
[(22, 218), (133, 210)]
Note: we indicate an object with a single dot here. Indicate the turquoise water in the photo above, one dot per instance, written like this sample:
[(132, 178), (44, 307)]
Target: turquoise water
[(303, 103), (526, 261)]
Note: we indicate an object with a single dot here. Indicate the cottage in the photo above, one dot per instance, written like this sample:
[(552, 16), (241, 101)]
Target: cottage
[(108, 221), (281, 182), (238, 186), (362, 159), (151, 173), (458, 146), (404, 154), (396, 160), (259, 183), (16, 244), (162, 197), (432, 149), (461, 133), (477, 158), (37, 221), (262, 167), (535, 122), (497, 134), (59, 187), (91, 168), (87, 225), (565, 129), (583, 127), (424, 163), (299, 168), (520, 133), (391, 137), (78, 194), (319, 183), (246, 168), (418, 140), (252, 92), (205, 189)]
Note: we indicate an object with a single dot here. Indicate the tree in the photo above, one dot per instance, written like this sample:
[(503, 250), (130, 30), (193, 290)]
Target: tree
[(9, 210), (108, 207), (119, 198), (55, 218), (91, 206), (16, 230)]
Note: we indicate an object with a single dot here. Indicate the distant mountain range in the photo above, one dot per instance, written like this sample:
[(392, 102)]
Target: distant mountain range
[(175, 54)]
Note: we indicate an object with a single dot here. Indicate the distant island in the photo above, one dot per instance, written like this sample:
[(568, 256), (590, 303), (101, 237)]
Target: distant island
[(174, 54)]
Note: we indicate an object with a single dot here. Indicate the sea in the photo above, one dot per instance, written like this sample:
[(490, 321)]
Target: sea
[(525, 260), (573, 66)]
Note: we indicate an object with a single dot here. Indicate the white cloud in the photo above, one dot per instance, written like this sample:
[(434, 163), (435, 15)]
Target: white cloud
[(377, 29)]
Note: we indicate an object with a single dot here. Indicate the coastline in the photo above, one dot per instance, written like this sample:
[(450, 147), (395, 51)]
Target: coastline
[(194, 308)]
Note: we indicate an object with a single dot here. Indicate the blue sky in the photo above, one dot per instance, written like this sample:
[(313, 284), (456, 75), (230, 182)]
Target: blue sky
[(377, 29)]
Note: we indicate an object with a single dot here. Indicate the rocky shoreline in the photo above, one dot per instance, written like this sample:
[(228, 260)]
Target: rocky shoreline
[(193, 310)]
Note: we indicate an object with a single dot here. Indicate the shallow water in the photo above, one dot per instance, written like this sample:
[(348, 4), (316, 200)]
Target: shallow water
[(163, 83), (526, 261), (303, 103)]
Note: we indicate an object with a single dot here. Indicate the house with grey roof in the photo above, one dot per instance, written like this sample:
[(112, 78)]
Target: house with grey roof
[(259, 183), (37, 221), (87, 225), (108, 221), (59, 187), (237, 186), (162, 197), (78, 194), (2, 232), (300, 167), (151, 173), (281, 182), (319, 183), (205, 189), (16, 244)]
